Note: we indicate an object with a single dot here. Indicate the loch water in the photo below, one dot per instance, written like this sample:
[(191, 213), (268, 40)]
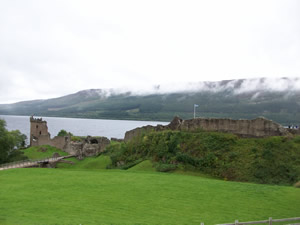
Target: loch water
[(78, 127)]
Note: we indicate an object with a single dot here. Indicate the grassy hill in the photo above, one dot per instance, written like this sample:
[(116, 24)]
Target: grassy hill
[(91, 163), (57, 196), (41, 152), (215, 99), (272, 160)]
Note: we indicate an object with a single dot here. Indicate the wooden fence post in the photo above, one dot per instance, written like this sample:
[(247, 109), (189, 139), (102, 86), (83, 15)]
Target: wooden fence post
[(270, 220), (236, 222)]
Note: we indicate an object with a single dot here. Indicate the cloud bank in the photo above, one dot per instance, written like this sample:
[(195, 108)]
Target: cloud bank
[(254, 86), (53, 48)]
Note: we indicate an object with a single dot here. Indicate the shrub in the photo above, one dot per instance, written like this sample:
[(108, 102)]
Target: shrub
[(186, 159), (273, 160), (163, 167), (76, 139), (297, 185), (131, 164), (63, 133), (297, 139)]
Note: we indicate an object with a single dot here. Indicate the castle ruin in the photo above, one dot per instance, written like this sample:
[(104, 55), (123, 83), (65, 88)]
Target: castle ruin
[(259, 127), (89, 146)]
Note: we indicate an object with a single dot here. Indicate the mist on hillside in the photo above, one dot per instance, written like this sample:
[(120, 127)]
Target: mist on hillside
[(254, 86)]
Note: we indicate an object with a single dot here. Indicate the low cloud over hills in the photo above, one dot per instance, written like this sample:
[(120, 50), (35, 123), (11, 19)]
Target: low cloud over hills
[(277, 99)]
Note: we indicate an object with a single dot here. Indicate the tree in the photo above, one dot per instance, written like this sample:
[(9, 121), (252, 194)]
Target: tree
[(63, 133), (10, 143)]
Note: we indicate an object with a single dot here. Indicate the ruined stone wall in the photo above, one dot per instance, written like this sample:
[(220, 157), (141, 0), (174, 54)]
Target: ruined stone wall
[(90, 146), (138, 131), (38, 131), (294, 131), (259, 127), (60, 142), (74, 148)]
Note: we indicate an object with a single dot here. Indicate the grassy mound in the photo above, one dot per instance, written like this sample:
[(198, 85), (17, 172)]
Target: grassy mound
[(100, 162), (272, 160), (48, 196), (40, 152), (146, 165)]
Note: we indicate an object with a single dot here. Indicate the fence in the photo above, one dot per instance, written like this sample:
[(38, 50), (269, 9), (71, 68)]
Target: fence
[(269, 221)]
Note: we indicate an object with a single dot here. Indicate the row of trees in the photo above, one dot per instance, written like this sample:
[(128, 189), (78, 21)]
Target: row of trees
[(10, 144)]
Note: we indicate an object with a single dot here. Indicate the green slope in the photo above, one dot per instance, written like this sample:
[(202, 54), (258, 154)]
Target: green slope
[(40, 152), (100, 162), (146, 165), (272, 160), (56, 196)]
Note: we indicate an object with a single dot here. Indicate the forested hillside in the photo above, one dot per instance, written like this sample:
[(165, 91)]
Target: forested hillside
[(216, 99)]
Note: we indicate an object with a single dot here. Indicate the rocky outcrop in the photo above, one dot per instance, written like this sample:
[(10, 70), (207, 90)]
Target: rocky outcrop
[(259, 127)]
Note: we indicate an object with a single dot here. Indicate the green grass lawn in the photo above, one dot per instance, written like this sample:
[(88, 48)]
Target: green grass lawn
[(99, 162), (40, 152), (60, 196), (146, 165)]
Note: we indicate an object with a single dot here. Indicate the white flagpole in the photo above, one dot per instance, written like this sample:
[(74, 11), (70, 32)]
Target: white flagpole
[(195, 105)]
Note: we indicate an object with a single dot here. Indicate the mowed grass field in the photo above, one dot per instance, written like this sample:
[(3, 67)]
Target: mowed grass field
[(66, 196)]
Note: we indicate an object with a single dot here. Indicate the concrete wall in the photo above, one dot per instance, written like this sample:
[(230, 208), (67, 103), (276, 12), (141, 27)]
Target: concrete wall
[(259, 127)]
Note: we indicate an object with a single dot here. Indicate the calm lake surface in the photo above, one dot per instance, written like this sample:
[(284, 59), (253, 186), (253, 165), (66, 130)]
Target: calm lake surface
[(78, 127)]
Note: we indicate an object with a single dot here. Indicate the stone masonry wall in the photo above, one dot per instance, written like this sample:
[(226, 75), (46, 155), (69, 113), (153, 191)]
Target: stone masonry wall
[(38, 131), (259, 127), (90, 146)]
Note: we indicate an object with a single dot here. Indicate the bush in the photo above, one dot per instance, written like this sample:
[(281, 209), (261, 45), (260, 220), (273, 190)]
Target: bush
[(297, 139), (163, 167), (76, 139), (131, 164), (10, 142), (273, 160), (63, 133), (297, 185)]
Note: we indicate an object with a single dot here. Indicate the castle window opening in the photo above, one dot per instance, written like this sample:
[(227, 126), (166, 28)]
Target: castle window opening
[(94, 141), (37, 126), (40, 132)]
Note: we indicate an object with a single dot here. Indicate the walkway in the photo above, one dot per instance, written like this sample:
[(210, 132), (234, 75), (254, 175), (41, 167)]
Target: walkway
[(32, 163)]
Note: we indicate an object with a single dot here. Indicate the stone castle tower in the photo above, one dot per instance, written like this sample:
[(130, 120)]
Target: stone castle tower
[(38, 131), (89, 146)]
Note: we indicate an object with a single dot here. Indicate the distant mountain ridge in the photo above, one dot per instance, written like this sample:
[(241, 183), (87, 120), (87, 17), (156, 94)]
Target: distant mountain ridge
[(276, 99)]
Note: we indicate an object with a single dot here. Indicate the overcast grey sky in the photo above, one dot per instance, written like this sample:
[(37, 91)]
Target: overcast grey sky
[(50, 48)]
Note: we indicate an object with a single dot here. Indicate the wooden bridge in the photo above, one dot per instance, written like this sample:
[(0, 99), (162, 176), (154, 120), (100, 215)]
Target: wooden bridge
[(33, 163)]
